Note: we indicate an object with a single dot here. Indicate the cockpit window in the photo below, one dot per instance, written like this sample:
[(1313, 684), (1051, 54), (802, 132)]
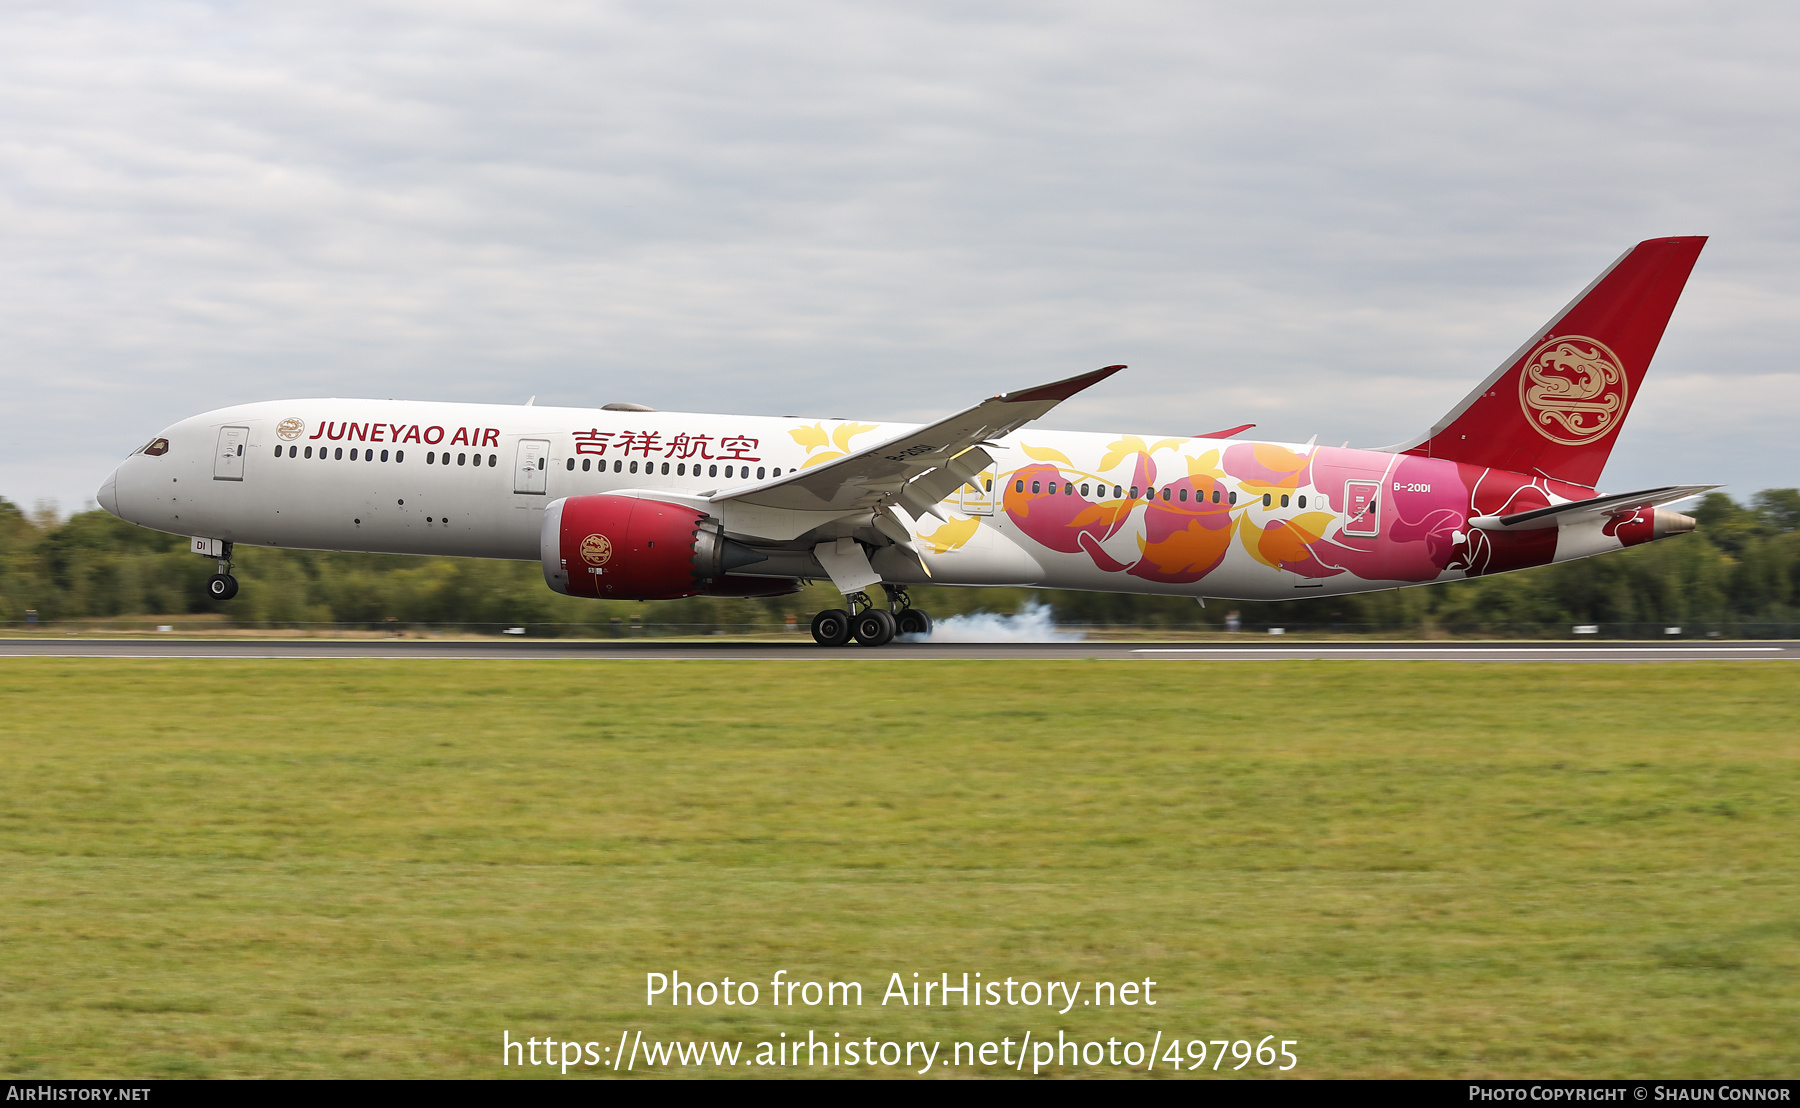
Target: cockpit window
[(156, 448)]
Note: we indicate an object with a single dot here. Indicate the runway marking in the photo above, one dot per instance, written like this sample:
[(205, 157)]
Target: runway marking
[(1449, 649), (576, 651)]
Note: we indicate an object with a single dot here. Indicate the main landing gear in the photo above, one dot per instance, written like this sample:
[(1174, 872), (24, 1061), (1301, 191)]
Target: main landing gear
[(869, 625)]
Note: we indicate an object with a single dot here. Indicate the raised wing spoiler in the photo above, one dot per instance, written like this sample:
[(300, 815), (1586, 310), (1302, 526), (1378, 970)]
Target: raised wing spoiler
[(1559, 514), (910, 468)]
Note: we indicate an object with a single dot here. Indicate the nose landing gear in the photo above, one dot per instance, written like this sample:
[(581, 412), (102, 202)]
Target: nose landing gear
[(221, 585)]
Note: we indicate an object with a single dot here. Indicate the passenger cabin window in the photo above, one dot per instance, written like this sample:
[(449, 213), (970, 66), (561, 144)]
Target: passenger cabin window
[(634, 467), (1018, 486), (665, 469), (1184, 496), (1302, 501), (399, 455), (1036, 487), (462, 459), (1118, 492), (571, 464), (309, 452), (759, 473), (1284, 500), (617, 466), (1234, 498), (337, 454), (585, 463), (1268, 500)]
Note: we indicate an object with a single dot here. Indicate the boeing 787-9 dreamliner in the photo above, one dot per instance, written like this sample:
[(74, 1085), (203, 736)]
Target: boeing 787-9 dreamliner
[(626, 503)]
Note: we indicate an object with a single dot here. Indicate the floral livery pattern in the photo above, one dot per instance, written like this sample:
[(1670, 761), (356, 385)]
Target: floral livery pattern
[(1290, 511), (820, 443), (1185, 530)]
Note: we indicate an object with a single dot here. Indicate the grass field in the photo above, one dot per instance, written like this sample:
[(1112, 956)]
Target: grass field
[(370, 868)]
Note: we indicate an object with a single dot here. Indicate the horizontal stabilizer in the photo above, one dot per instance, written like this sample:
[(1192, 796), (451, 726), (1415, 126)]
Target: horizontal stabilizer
[(1558, 514)]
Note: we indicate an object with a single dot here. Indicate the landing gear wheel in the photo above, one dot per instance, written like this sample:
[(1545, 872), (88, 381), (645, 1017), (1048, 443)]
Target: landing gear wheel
[(831, 627), (874, 627), (914, 622), (221, 586)]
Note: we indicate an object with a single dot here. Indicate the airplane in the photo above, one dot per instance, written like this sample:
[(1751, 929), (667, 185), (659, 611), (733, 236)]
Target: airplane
[(624, 502)]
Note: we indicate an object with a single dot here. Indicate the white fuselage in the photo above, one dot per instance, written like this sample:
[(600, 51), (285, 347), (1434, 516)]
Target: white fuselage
[(472, 480)]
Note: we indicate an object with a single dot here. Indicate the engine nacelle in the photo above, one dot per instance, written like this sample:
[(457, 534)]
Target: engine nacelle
[(617, 547)]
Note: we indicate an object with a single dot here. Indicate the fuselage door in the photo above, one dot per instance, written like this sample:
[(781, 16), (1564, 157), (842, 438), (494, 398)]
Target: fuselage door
[(532, 473), (978, 498), (228, 463), (1362, 508)]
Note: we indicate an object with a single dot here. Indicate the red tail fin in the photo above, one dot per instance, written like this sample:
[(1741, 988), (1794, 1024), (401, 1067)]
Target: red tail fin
[(1555, 407)]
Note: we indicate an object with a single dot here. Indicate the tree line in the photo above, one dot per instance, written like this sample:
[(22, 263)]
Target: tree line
[(1739, 573)]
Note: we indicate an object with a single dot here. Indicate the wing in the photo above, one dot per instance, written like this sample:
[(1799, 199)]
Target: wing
[(1558, 514), (909, 468)]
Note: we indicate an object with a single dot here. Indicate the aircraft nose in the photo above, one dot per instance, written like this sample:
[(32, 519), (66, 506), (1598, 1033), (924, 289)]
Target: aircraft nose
[(108, 496)]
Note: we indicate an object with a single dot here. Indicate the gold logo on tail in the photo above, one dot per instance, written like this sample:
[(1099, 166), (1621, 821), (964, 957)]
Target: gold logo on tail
[(1573, 389)]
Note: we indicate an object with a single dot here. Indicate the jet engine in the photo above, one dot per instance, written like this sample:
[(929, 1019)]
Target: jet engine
[(617, 547)]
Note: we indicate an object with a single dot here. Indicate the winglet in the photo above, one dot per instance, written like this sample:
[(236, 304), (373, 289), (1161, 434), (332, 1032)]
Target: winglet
[(1058, 391)]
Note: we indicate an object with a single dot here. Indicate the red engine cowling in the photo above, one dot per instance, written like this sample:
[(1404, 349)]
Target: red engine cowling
[(616, 547)]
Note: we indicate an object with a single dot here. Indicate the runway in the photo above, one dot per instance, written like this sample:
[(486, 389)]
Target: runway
[(800, 650)]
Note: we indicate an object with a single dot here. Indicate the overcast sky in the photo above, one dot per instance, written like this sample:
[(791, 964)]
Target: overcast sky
[(1324, 219)]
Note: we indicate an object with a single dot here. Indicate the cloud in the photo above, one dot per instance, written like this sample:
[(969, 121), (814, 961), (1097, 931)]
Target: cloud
[(1326, 219)]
